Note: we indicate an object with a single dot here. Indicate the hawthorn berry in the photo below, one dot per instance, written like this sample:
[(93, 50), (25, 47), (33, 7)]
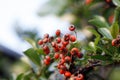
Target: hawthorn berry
[(65, 43), (53, 44), (58, 32), (46, 49), (114, 42), (63, 67), (64, 51), (62, 61), (46, 62), (40, 42), (56, 55), (66, 37), (60, 47), (45, 40), (87, 2), (72, 28), (74, 51), (67, 74), (110, 19), (80, 77), (62, 56), (48, 58), (108, 1), (56, 49), (68, 59), (58, 40), (61, 71), (50, 39), (72, 38), (79, 55)]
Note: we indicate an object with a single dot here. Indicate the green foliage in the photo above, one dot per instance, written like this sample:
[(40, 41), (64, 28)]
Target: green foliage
[(99, 22), (33, 56), (96, 34), (116, 2), (114, 30), (105, 32)]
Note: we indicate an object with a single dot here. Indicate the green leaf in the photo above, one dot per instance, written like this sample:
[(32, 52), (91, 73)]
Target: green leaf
[(99, 57), (105, 32), (92, 46), (33, 56), (40, 51), (31, 41), (114, 30), (20, 76), (116, 2), (96, 34), (99, 22)]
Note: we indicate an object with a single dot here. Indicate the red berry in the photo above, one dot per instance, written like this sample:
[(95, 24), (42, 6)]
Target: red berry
[(63, 67), (58, 66), (64, 50), (58, 40), (50, 39), (40, 42), (74, 51), (60, 47), (67, 74), (79, 55), (61, 71), (45, 40), (110, 19), (68, 59), (65, 43), (72, 38), (87, 2), (53, 44), (58, 32), (80, 77), (62, 56), (46, 62), (108, 1), (72, 28), (114, 42), (56, 49), (46, 49), (48, 58), (62, 61), (46, 35), (66, 37), (56, 55)]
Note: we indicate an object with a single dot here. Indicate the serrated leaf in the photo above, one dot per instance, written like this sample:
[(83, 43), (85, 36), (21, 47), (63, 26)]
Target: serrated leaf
[(105, 32), (116, 2), (20, 76), (33, 56), (96, 34), (31, 42), (114, 30), (99, 22)]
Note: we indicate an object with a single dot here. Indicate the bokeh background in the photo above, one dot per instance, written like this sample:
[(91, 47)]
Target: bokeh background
[(33, 18)]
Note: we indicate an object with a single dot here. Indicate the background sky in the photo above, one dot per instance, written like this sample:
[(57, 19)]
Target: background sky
[(25, 13)]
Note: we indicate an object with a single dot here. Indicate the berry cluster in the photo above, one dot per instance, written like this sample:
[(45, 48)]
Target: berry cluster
[(116, 42), (59, 49)]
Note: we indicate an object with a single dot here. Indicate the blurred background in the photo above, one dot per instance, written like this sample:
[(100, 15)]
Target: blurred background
[(33, 18)]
